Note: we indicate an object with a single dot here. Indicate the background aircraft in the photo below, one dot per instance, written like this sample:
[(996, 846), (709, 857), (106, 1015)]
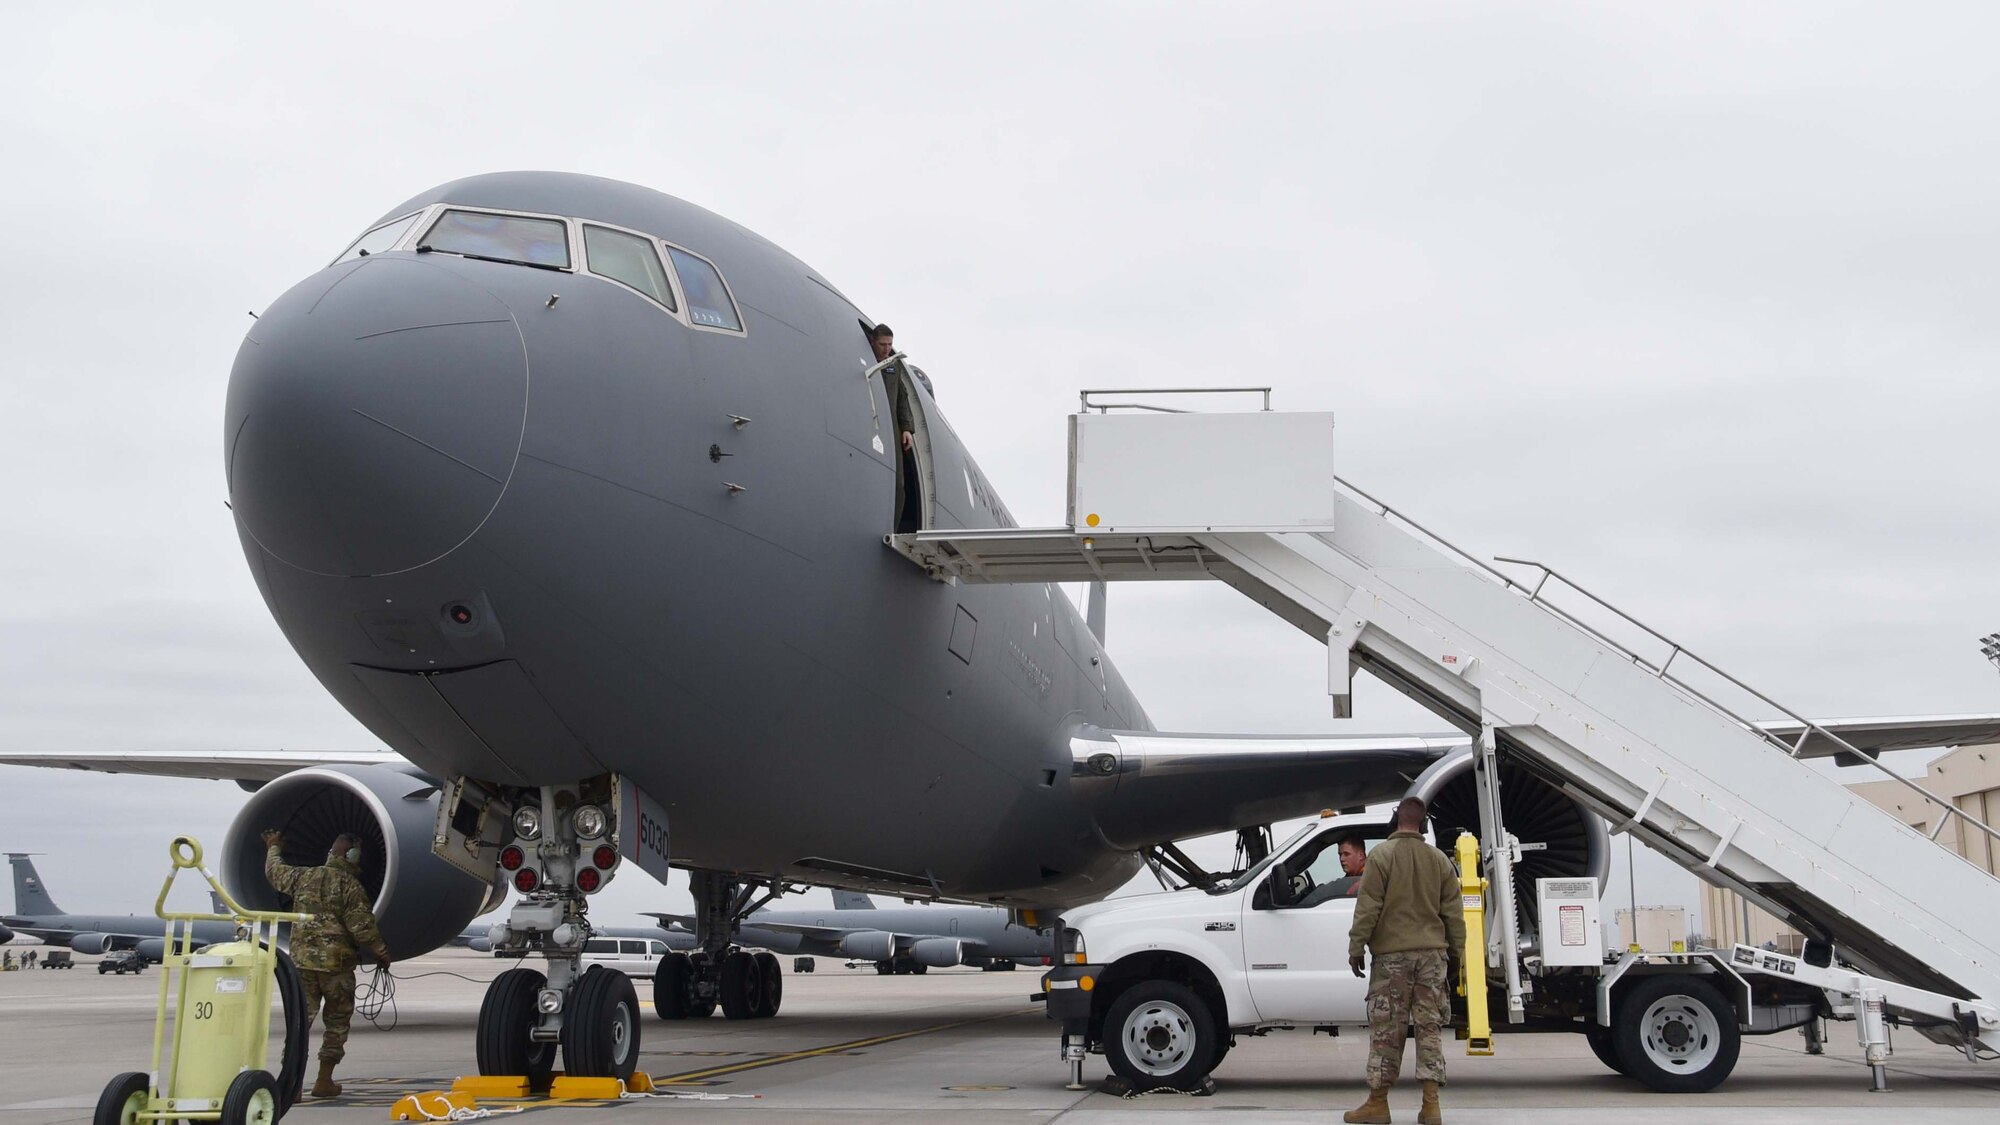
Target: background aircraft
[(897, 940), (37, 915)]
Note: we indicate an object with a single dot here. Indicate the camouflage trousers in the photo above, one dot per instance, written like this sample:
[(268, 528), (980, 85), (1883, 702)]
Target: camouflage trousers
[(336, 988), (1406, 990)]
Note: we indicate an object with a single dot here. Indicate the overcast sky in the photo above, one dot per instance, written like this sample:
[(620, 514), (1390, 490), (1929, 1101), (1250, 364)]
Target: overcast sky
[(1694, 301)]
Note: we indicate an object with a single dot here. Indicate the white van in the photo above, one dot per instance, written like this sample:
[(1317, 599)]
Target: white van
[(635, 957)]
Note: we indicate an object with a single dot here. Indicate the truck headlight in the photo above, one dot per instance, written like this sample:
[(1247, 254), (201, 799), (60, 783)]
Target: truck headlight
[(1073, 952)]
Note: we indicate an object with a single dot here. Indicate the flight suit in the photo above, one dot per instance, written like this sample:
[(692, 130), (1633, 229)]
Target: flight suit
[(1409, 914), (326, 948)]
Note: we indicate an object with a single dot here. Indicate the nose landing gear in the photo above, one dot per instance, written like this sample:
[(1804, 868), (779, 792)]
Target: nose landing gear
[(563, 848)]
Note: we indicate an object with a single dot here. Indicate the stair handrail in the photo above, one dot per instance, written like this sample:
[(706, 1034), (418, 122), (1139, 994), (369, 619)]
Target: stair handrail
[(1534, 594)]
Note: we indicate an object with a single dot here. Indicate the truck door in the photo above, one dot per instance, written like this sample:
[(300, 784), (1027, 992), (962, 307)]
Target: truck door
[(1296, 955)]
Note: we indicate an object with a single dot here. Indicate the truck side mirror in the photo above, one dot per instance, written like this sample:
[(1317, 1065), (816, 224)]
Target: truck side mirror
[(1281, 885)]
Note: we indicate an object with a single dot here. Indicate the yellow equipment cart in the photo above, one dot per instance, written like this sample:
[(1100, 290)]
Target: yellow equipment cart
[(222, 1020)]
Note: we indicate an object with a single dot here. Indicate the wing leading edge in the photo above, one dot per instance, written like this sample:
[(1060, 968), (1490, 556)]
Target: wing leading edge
[(252, 766)]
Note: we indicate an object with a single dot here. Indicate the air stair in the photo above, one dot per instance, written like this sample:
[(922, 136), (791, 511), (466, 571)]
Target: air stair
[(1251, 499)]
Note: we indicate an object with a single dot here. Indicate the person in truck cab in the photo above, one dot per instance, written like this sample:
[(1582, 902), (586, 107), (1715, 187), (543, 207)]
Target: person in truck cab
[(1409, 915)]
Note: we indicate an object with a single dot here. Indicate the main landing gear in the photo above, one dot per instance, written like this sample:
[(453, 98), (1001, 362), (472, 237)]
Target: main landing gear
[(745, 985), (559, 853)]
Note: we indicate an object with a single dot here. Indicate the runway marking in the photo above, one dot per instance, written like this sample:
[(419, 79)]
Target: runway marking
[(696, 1077)]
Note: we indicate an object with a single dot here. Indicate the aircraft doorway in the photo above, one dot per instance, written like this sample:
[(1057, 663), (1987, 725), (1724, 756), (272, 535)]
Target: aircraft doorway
[(915, 496), (916, 474)]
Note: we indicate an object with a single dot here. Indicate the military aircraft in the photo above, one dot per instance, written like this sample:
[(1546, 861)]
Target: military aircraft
[(37, 915), (897, 940), (575, 494)]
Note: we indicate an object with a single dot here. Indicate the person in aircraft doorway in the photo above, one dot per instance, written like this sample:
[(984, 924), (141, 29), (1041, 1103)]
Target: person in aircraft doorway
[(909, 495)]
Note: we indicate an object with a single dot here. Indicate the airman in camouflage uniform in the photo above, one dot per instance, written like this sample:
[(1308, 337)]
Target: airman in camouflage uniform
[(326, 948), (1409, 913)]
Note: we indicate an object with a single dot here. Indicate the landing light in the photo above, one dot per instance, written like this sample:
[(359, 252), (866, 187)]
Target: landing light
[(528, 822), (589, 821)]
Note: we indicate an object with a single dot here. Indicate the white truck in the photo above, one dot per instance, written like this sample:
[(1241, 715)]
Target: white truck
[(1165, 984)]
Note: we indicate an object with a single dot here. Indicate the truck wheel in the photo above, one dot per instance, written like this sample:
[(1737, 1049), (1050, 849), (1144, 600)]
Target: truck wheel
[(1601, 1043), (1676, 1033), (1160, 1035), (121, 1100), (252, 1099)]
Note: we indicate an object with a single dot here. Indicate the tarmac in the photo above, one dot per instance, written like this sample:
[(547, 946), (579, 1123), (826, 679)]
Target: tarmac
[(960, 1045)]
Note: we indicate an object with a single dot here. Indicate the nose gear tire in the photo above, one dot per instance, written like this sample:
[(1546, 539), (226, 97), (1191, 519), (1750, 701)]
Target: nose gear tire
[(600, 1035), (505, 1018)]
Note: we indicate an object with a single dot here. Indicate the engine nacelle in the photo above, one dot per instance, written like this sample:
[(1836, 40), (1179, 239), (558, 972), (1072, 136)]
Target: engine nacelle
[(92, 945), (6, 935), (869, 945), (153, 950), (937, 952), (1574, 841), (421, 902)]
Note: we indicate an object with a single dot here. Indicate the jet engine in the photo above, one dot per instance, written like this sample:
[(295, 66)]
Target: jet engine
[(937, 952), (420, 901), (6, 935), (92, 945), (869, 945), (1561, 839)]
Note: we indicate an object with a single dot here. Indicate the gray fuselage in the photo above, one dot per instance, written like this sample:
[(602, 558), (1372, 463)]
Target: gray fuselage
[(654, 588)]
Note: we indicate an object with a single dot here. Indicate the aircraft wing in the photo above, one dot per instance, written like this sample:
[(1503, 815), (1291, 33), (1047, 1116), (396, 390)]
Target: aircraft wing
[(216, 765), (1914, 732)]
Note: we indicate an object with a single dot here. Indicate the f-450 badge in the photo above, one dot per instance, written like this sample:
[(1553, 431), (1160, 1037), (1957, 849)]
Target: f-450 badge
[(1219, 927)]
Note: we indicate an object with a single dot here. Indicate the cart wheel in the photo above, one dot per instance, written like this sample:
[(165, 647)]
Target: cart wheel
[(122, 1100), (505, 1018), (252, 1100), (600, 1037)]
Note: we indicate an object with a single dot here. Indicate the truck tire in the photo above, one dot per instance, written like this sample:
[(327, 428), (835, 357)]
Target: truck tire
[(1601, 1043), (1159, 1035), (1676, 1033)]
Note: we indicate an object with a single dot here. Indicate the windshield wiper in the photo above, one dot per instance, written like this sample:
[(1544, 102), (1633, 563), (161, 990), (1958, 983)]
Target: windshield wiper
[(491, 258)]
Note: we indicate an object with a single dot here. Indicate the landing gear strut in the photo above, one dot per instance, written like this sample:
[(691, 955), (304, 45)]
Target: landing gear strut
[(562, 848), (745, 985)]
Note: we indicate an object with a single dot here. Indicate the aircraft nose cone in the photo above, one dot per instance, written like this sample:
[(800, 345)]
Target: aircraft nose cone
[(374, 416)]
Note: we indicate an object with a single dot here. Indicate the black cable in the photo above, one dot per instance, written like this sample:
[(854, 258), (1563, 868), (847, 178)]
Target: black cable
[(292, 1071)]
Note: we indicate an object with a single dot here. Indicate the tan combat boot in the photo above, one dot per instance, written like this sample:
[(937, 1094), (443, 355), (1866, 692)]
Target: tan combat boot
[(1374, 1111), (324, 1086), (1430, 1114)]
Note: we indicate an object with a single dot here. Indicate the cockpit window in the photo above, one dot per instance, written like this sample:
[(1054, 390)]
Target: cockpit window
[(500, 238), (708, 299), (627, 258), (378, 239)]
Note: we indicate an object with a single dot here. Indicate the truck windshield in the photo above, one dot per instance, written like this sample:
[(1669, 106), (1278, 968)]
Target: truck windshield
[(1257, 869)]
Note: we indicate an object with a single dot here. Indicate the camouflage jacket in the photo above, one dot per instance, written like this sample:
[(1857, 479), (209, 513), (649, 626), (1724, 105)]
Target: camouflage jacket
[(1408, 899), (342, 923)]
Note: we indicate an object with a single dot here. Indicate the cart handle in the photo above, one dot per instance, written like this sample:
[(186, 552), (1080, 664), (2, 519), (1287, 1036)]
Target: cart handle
[(185, 851)]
